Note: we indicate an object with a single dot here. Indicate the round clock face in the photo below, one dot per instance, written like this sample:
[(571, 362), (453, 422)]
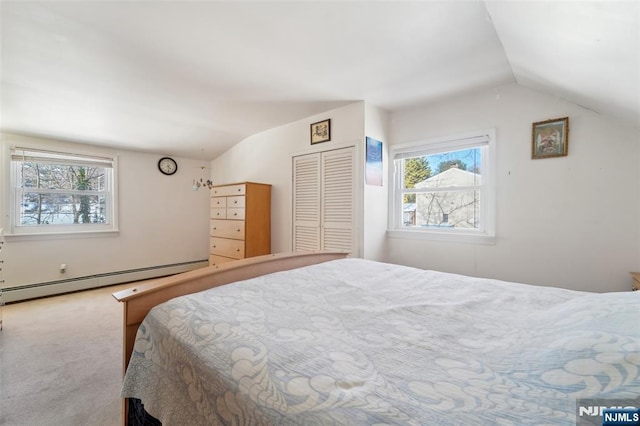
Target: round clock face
[(167, 165)]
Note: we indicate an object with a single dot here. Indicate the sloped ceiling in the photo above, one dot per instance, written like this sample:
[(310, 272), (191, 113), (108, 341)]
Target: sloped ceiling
[(587, 52), (193, 78)]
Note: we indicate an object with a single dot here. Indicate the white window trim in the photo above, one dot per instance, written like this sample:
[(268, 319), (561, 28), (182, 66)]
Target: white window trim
[(61, 231), (487, 234)]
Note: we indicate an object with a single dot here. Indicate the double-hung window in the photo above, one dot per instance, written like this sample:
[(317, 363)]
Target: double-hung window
[(444, 189), (62, 192)]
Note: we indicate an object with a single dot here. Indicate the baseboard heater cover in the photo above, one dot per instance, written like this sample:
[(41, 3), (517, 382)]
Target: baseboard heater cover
[(50, 288)]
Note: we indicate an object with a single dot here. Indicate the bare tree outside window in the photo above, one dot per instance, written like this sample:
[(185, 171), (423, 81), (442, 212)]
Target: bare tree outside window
[(61, 194), (54, 190)]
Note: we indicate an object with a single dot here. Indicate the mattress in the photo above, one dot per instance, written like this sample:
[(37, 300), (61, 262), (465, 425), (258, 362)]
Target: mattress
[(359, 342)]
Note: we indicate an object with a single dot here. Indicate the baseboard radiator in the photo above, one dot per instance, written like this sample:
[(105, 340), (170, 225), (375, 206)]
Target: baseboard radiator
[(50, 288)]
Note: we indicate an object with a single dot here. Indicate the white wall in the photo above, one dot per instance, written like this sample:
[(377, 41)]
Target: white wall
[(162, 221), (570, 222), (266, 158), (376, 122)]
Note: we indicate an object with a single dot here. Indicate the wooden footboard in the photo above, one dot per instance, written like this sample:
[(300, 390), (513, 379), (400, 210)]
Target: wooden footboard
[(139, 299)]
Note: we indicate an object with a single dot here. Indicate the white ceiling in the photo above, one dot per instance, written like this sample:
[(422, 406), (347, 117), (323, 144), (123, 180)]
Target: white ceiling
[(191, 79)]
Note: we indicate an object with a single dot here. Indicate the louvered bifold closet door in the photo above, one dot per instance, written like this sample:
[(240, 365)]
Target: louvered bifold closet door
[(306, 202), (337, 200)]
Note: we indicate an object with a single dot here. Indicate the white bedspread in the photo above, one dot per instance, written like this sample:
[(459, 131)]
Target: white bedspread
[(362, 343)]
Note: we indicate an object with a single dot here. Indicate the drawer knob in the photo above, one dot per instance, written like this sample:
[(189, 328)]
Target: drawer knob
[(235, 202), (235, 214), (214, 246), (238, 250), (238, 229), (214, 228)]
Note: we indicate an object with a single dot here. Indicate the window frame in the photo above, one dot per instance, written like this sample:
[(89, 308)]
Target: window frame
[(486, 233), (109, 161)]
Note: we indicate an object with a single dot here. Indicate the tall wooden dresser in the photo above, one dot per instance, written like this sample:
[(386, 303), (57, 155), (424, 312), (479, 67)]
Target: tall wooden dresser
[(240, 221)]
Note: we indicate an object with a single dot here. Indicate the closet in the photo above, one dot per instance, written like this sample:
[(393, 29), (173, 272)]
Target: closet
[(324, 201)]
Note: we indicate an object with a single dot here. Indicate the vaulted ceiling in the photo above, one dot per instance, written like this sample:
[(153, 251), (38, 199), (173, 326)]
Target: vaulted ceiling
[(193, 78)]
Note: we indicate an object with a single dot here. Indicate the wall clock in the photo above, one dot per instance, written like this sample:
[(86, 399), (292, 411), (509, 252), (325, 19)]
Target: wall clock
[(167, 165)]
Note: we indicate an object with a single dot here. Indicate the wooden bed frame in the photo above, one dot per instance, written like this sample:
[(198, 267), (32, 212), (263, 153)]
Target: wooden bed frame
[(139, 299)]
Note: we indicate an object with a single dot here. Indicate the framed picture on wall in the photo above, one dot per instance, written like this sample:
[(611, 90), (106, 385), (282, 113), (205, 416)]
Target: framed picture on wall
[(550, 138), (321, 131), (373, 164)]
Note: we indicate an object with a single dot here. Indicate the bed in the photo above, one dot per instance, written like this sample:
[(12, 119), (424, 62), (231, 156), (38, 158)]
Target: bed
[(319, 338)]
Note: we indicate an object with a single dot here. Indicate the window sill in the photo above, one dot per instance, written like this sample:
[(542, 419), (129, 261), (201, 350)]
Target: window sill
[(38, 236), (451, 237)]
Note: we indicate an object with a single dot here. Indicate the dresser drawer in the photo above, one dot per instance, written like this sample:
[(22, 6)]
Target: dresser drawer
[(235, 213), (227, 247), (227, 228), (218, 202), (219, 213), (237, 201), (218, 260), (225, 191)]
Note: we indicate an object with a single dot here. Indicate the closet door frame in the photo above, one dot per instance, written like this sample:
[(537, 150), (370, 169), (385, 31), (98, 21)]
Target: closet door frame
[(358, 189)]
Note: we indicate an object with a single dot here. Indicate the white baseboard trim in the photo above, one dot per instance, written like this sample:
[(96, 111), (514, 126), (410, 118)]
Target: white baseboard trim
[(32, 291)]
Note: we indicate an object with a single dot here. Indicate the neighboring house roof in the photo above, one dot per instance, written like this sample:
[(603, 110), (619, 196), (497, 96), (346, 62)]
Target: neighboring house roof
[(445, 208), (450, 177), (409, 207)]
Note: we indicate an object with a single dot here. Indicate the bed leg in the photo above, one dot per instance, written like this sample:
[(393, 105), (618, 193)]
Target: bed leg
[(125, 411)]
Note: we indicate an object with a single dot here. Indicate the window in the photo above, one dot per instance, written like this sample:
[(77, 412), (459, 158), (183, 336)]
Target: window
[(444, 189), (56, 192)]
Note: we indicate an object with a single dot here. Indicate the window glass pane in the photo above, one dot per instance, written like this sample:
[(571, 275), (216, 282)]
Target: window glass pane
[(445, 169), (58, 209), (443, 209), (444, 189), (56, 192), (61, 176)]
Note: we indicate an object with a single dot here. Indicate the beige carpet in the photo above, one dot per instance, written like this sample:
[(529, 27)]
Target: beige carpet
[(61, 360)]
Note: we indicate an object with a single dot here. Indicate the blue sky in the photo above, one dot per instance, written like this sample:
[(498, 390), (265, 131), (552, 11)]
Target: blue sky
[(471, 157)]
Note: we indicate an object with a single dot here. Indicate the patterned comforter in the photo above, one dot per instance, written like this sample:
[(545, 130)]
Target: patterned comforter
[(359, 342)]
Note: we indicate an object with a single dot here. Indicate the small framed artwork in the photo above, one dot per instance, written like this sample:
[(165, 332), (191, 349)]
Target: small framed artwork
[(550, 138), (373, 164), (321, 131)]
